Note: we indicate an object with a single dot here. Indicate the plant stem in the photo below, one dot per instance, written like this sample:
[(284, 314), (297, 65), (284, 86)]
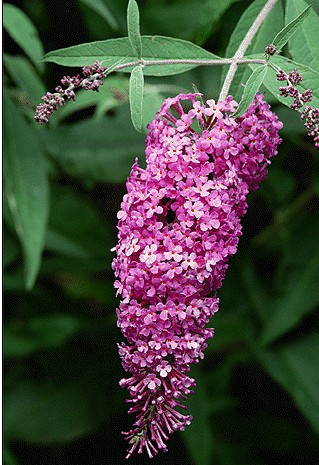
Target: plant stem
[(243, 47), (223, 61)]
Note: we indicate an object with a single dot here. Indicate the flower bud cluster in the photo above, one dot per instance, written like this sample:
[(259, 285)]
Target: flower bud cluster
[(308, 113), (178, 225), (93, 79), (311, 117), (270, 50)]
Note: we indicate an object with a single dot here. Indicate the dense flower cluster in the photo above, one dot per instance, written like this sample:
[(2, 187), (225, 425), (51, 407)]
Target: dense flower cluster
[(92, 80), (179, 223), (309, 114)]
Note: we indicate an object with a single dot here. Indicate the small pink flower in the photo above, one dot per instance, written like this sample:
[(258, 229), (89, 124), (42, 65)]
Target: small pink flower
[(173, 269), (152, 208), (197, 111), (175, 253), (214, 109), (184, 123), (172, 342), (132, 247), (194, 208), (152, 381), (164, 368), (164, 309), (121, 215), (189, 261), (149, 256)]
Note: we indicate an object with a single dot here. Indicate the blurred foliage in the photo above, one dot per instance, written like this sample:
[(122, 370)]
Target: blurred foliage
[(257, 399)]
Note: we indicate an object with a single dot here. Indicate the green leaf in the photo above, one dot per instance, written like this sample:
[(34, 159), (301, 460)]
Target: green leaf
[(102, 9), (13, 281), (64, 265), (300, 298), (271, 25), (45, 413), (209, 16), (113, 51), (271, 428), (288, 31), (81, 286), (251, 88), (199, 431), (280, 186), (72, 391), (242, 27), (21, 339), (26, 187), (229, 330), (118, 93), (193, 24), (84, 236), (23, 32), (133, 28), (299, 290), (61, 244), (25, 78), (136, 97), (8, 457), (293, 126), (11, 248), (152, 103), (102, 151), (303, 46), (296, 367)]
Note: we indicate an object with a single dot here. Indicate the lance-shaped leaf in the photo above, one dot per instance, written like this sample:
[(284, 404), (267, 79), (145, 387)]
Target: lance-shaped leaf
[(251, 88), (133, 28), (303, 46), (26, 78), (299, 290), (26, 188), (38, 333), (136, 97), (295, 366), (200, 429), (86, 151), (113, 51), (288, 31), (23, 32), (102, 10)]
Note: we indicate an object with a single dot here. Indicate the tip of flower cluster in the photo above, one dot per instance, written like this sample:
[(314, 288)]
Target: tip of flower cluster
[(154, 399)]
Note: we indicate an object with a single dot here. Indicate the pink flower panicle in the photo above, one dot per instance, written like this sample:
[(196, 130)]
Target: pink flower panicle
[(309, 114), (179, 223), (92, 80)]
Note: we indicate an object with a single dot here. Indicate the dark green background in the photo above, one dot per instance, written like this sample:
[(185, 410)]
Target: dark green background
[(257, 399)]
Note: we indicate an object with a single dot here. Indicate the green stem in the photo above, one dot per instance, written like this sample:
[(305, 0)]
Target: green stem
[(223, 61), (243, 47)]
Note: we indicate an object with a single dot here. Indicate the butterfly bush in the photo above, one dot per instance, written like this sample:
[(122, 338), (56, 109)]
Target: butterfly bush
[(178, 225)]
